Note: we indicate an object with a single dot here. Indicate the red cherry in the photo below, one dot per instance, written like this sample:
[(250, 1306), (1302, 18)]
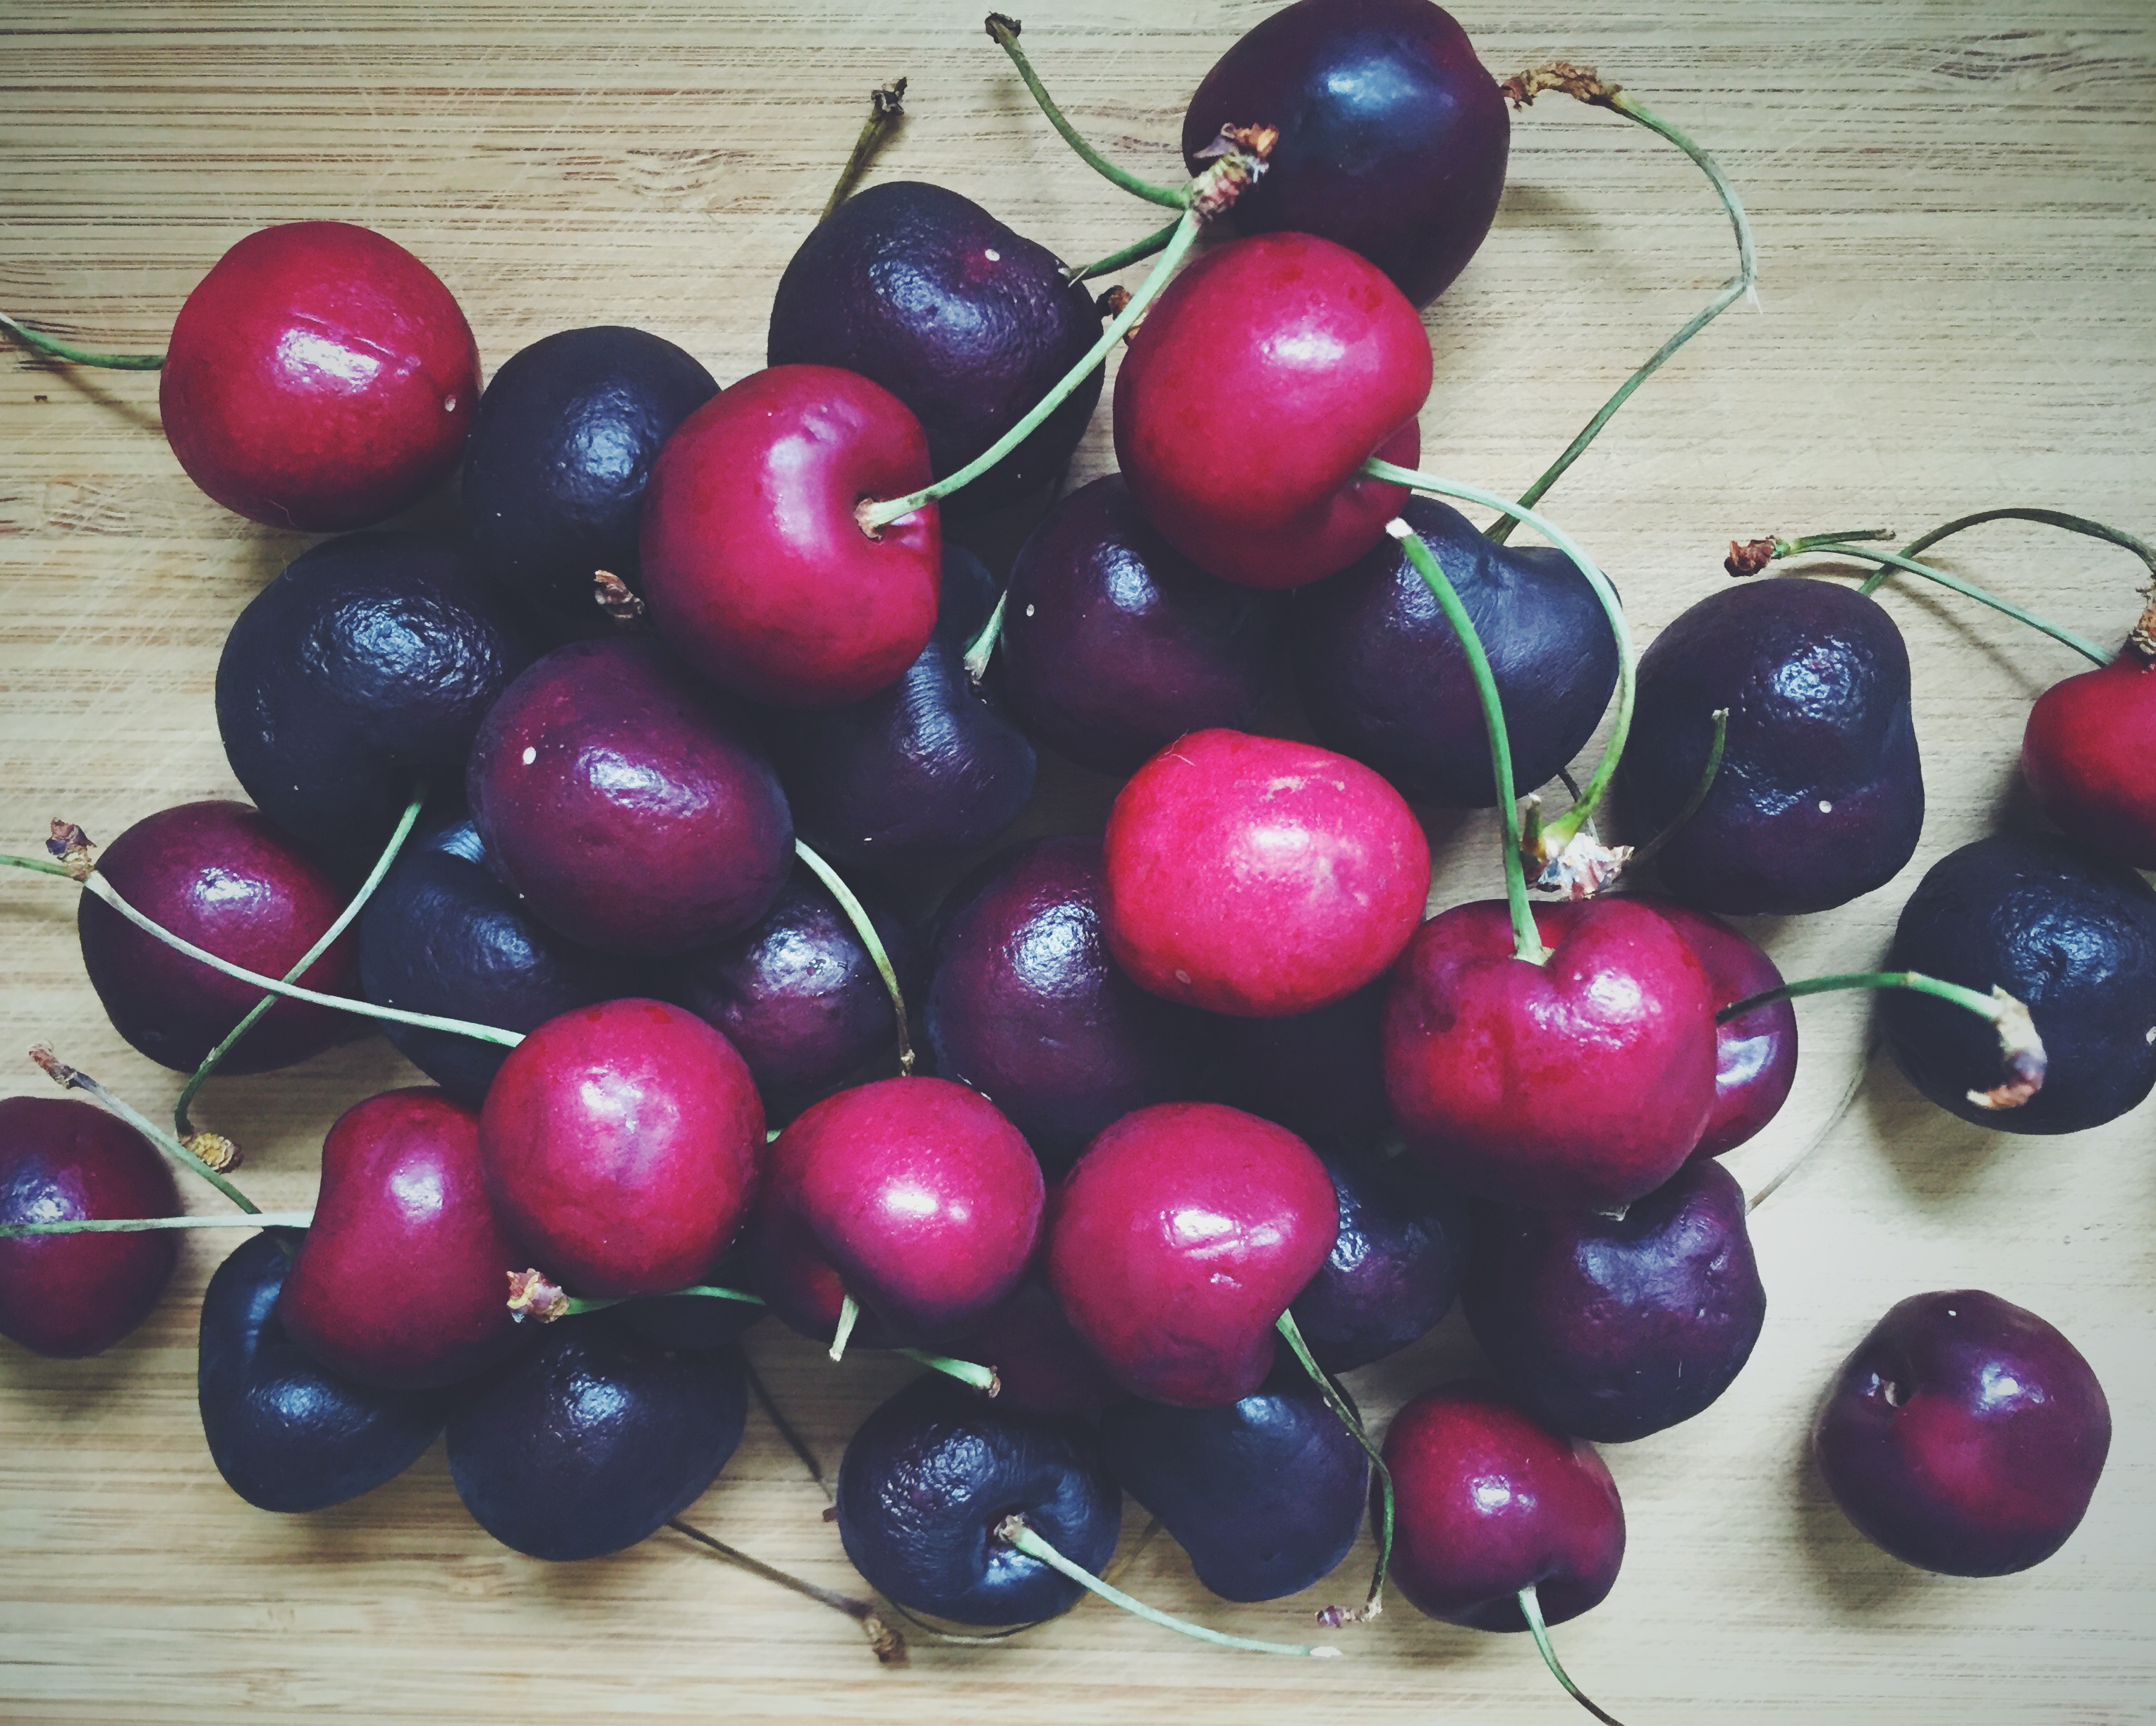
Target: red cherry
[(320, 377), (621, 1144), (1259, 876), (1256, 387), (403, 1280), (1580, 1083), (2089, 754), (1755, 1057), (1177, 1241), (756, 570), (1487, 1502), (71, 1295), (914, 1196)]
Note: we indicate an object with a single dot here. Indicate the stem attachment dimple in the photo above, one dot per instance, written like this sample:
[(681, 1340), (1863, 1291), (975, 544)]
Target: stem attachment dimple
[(52, 348), (886, 108), (1531, 1608), (864, 927), (1291, 1332), (1003, 32)]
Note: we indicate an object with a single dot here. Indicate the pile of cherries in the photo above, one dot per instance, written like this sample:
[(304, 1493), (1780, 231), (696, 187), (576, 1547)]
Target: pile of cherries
[(618, 812)]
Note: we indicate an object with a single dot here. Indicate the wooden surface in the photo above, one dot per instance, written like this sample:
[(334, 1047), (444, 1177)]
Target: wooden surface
[(1953, 205)]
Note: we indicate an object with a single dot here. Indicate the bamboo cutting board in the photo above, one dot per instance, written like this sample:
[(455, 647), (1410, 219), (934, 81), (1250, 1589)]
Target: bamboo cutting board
[(1954, 206)]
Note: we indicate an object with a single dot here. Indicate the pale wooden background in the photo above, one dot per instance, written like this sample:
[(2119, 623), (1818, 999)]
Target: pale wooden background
[(1953, 205)]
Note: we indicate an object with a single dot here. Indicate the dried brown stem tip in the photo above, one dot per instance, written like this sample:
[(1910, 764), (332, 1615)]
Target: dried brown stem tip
[(1112, 303), (2023, 1050), (999, 26), (67, 1077), (1748, 557), (532, 1296), (1237, 157), (2143, 639), (1580, 83), (216, 1151), (889, 101), (616, 597), (74, 848), (1582, 868)]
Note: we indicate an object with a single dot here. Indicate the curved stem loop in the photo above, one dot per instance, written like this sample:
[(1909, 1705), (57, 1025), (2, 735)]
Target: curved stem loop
[(864, 927), (1709, 775), (1531, 1608), (1375, 1604), (1003, 32), (52, 348)]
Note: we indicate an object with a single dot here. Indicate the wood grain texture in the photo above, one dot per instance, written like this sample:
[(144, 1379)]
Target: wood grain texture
[(1958, 262)]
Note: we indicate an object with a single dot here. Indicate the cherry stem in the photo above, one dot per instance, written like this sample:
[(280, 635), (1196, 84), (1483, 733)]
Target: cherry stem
[(74, 1078), (1556, 835), (1003, 32), (967, 1372), (1292, 1333), (794, 1441), (850, 1314), (1527, 939), (2019, 1046), (1768, 1187), (1135, 252), (210, 1062), (52, 348), (1531, 1608), (889, 1645), (864, 927), (982, 647), (1590, 91), (1013, 1531), (886, 108), (577, 1304), (2050, 518), (1707, 775), (146, 1224)]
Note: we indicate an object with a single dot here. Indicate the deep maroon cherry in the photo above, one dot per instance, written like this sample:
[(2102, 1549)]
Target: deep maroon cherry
[(1393, 137), (1045, 1369), (1023, 1004), (1965, 1435), (1612, 1328), (1115, 643), (626, 812), (220, 876), (621, 1145), (1397, 1262), (363, 668), (72, 1295), (966, 322), (402, 1281), (1320, 1073), (1755, 1057), (1489, 1502)]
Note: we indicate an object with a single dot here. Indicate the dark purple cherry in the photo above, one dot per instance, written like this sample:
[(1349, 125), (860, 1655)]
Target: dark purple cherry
[(1045, 1369), (1965, 1435), (1393, 137), (933, 1473), (1024, 1005), (1384, 680), (1115, 643), (560, 450), (1612, 1328), (1266, 1495), (923, 772), (966, 322), (363, 668), (1820, 795), (1320, 1073), (1396, 1265)]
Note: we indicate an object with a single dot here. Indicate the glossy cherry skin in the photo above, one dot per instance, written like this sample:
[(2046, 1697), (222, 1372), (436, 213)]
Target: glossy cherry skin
[(1755, 1057), (621, 1144), (626, 812), (1610, 1329), (1320, 1073), (590, 1441), (2086, 755), (286, 1433), (1384, 679), (221, 877), (1177, 1241), (320, 377), (913, 1196), (362, 670), (403, 1280), (1023, 1004), (1044, 1368), (934, 1471), (1964, 1436), (2070, 934), (1392, 136), (561, 452), (1820, 795), (1581, 1082), (1266, 1494), (1395, 1267), (1258, 384), (71, 1295), (1487, 1502), (967, 323), (1259, 877), (756, 570), (1115, 643), (923, 772)]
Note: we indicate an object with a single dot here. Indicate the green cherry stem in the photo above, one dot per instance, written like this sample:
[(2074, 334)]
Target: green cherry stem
[(2049, 518), (575, 1305), (889, 1645), (52, 348), (864, 927), (1582, 84), (850, 1314), (2019, 1046), (967, 1372), (1291, 1332), (1013, 1531), (211, 1062), (146, 1224), (886, 108), (982, 647), (1003, 32), (1531, 1608), (1135, 252), (1709, 775), (1527, 940), (74, 1078), (1556, 835)]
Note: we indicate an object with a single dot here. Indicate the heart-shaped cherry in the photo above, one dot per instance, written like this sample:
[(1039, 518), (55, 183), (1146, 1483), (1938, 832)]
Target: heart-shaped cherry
[(621, 1144), (1178, 1239), (1755, 1057), (1395, 1267)]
